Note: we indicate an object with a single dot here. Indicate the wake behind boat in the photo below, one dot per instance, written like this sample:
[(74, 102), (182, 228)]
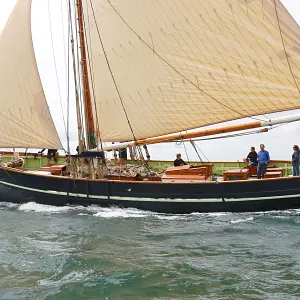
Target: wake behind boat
[(147, 79)]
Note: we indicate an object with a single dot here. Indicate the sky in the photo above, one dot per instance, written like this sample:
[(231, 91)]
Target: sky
[(278, 141)]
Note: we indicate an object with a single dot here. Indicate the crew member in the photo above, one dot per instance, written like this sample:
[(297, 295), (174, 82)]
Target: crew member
[(251, 158), (263, 161), (123, 153), (296, 160), (179, 161), (52, 153)]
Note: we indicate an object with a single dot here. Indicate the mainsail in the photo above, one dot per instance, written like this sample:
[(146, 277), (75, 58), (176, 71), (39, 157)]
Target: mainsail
[(25, 120), (183, 64)]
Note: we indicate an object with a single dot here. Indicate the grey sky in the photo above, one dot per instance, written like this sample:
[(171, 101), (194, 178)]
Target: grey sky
[(278, 141)]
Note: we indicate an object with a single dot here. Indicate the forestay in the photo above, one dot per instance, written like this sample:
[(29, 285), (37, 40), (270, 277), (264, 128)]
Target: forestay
[(183, 64), (25, 120)]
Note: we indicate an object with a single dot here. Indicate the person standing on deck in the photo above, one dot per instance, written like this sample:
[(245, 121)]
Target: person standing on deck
[(296, 160), (179, 161), (263, 160)]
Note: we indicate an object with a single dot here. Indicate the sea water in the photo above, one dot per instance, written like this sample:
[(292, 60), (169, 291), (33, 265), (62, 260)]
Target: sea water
[(49, 252)]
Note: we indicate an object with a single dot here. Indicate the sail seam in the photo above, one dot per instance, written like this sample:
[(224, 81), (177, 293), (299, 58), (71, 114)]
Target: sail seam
[(284, 48), (111, 73), (117, 89), (177, 71)]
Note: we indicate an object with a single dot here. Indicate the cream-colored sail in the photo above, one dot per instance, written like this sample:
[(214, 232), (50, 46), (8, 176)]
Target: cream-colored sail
[(183, 64), (25, 120)]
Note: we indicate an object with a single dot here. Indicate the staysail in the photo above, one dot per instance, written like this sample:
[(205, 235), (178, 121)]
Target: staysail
[(25, 120), (180, 65)]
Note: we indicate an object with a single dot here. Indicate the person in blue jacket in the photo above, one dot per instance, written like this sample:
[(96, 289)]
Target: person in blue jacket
[(263, 161)]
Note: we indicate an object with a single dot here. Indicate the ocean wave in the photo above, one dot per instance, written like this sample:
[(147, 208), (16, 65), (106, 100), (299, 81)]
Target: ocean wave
[(170, 217), (56, 248), (212, 214), (241, 220), (72, 277), (42, 208), (294, 212), (116, 212), (8, 205)]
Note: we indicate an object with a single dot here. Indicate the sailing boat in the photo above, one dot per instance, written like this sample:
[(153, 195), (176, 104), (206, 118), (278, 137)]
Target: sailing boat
[(150, 71)]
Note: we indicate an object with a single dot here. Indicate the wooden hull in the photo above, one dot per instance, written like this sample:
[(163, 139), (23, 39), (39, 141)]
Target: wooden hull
[(177, 198)]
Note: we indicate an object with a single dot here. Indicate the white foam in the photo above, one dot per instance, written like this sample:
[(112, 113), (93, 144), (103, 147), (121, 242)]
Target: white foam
[(171, 217), (41, 208), (292, 211), (279, 212), (241, 220), (69, 278), (213, 214), (8, 204), (115, 212), (218, 214)]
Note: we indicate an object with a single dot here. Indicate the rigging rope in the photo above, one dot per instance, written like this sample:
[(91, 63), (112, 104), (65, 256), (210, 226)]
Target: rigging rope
[(64, 41), (78, 108), (68, 95), (111, 73), (186, 153), (115, 84), (202, 153), (196, 150), (172, 67), (178, 144), (57, 80), (182, 142)]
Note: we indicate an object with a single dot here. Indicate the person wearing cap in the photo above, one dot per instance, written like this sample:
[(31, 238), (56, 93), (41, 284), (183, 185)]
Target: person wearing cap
[(179, 161), (295, 160)]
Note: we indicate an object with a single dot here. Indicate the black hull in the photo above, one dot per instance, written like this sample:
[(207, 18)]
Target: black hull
[(176, 198)]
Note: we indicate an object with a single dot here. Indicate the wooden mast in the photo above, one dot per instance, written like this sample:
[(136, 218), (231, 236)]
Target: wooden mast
[(89, 120)]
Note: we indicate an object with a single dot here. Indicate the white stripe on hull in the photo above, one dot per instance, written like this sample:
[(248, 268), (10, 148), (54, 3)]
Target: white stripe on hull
[(126, 198)]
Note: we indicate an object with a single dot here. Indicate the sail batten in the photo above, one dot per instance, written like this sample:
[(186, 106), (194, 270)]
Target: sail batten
[(25, 119), (181, 65)]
